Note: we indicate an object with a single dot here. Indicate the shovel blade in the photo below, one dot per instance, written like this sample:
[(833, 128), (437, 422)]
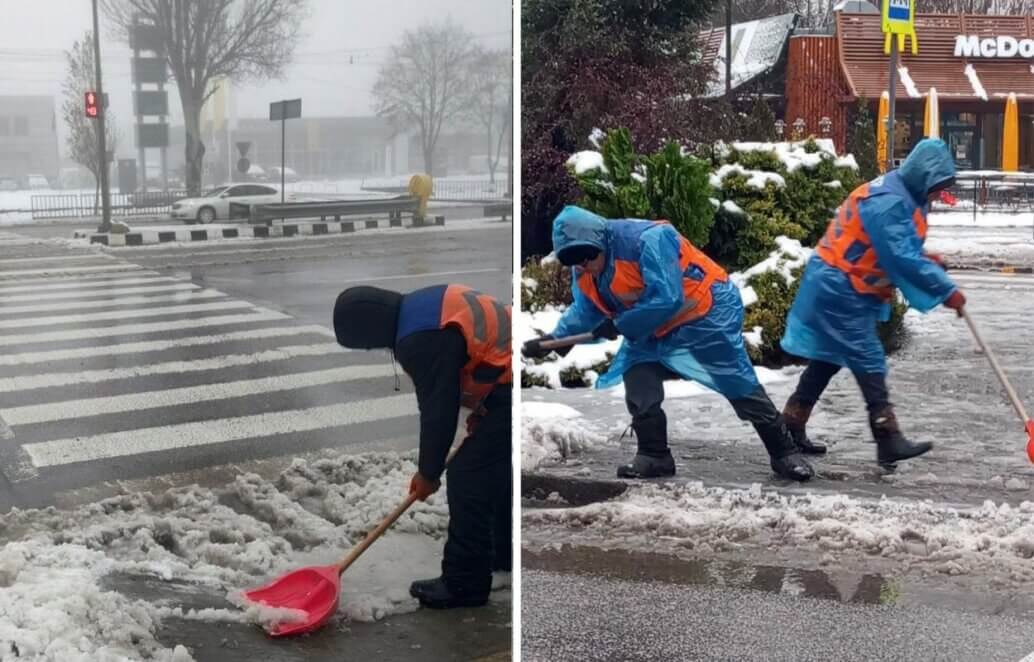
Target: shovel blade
[(1030, 441), (313, 590)]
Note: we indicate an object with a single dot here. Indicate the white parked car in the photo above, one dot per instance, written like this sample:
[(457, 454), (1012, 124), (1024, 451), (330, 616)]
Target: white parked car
[(214, 204)]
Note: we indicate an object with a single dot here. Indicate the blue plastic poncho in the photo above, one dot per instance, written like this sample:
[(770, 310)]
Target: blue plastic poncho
[(829, 320), (708, 350)]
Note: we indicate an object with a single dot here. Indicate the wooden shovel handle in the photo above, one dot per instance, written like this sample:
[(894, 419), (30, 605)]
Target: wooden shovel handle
[(357, 551), (566, 342), (1017, 405)]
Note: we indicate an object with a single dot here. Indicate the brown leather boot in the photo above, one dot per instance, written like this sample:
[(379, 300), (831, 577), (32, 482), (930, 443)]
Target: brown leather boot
[(891, 445), (796, 415)]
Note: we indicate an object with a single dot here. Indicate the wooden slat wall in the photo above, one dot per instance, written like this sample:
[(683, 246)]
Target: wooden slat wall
[(816, 87), (866, 67)]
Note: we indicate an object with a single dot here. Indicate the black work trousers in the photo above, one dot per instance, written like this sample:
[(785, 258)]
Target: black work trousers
[(644, 394), (816, 378), (478, 485)]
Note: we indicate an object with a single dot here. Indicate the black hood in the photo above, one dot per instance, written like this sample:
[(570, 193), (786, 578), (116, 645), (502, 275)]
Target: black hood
[(367, 317)]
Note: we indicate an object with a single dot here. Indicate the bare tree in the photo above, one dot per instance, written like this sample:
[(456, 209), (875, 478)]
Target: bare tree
[(423, 84), (82, 143), (491, 102), (209, 39)]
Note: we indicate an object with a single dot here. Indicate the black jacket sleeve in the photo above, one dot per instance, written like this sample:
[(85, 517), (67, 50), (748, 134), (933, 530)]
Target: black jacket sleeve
[(434, 360)]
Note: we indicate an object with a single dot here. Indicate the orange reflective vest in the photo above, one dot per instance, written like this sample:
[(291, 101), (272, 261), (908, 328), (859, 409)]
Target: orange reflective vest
[(486, 326), (847, 246), (627, 284)]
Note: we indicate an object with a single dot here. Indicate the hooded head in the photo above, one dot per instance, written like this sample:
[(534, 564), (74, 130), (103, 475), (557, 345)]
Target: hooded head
[(578, 233), (366, 317), (928, 169)]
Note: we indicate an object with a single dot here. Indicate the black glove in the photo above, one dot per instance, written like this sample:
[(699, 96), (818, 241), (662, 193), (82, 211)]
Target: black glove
[(606, 329), (533, 349)]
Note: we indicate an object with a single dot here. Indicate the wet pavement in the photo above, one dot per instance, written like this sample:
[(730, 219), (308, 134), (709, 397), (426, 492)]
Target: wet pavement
[(944, 392), (697, 585), (660, 608)]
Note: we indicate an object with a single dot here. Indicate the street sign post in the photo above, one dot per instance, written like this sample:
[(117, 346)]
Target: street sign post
[(283, 111), (898, 23)]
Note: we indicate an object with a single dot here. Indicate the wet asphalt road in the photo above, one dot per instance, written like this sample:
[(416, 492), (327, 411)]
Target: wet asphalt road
[(204, 335)]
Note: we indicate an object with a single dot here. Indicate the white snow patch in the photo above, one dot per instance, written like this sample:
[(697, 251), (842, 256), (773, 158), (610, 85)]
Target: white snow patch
[(586, 161), (836, 183), (596, 137), (974, 81), (748, 296), (530, 283), (789, 255), (552, 432), (847, 161), (753, 337), (933, 537), (715, 201), (733, 208), (54, 604), (792, 154), (680, 388), (908, 83), (755, 178)]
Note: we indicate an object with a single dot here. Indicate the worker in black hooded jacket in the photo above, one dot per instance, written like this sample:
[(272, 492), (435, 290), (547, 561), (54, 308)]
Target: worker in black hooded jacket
[(454, 342)]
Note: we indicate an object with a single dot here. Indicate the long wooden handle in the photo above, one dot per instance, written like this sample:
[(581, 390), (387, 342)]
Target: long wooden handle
[(997, 368), (566, 341), (372, 536)]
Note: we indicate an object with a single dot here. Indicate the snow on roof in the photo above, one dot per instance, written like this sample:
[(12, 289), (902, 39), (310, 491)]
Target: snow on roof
[(910, 85), (758, 45), (974, 81), (586, 161)]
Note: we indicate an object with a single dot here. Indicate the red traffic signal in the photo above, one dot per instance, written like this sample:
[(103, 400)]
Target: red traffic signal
[(91, 104)]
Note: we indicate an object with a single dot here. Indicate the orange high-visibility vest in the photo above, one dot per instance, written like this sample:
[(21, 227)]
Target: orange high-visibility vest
[(627, 285), (846, 231), (486, 326)]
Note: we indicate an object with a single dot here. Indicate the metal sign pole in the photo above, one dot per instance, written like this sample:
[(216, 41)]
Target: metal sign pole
[(893, 97)]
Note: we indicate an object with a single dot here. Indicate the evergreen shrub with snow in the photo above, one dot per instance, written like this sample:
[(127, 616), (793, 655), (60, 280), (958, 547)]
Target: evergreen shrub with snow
[(669, 185)]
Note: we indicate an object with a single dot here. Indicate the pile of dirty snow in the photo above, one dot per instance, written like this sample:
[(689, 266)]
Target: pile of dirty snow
[(920, 534), (54, 604), (552, 432)]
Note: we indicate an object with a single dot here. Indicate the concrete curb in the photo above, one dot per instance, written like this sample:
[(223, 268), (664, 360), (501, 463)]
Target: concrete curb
[(575, 491), (200, 233)]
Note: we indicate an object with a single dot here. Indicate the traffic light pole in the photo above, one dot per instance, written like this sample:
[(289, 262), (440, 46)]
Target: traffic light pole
[(101, 146)]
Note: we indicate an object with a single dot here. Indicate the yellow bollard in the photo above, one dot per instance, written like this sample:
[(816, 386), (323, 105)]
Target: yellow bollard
[(421, 186)]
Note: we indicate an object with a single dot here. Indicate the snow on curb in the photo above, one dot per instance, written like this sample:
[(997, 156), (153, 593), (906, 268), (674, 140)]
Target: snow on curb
[(552, 432), (54, 605), (925, 535)]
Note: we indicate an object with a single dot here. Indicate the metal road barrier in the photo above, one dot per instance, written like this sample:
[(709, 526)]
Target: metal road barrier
[(324, 209), (474, 190), (504, 210), (82, 205), (987, 191)]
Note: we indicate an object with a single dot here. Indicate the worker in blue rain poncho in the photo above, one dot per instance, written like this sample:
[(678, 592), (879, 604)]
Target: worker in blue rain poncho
[(873, 246), (681, 318)]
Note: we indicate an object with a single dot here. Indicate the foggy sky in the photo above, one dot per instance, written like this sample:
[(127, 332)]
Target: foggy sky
[(34, 34)]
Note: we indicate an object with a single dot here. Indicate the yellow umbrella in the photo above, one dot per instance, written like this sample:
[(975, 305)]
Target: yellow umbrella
[(1010, 136), (881, 132), (932, 116)]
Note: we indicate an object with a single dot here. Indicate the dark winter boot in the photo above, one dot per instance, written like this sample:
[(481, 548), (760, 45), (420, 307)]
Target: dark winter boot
[(436, 594), (653, 458), (891, 445), (786, 461), (796, 415)]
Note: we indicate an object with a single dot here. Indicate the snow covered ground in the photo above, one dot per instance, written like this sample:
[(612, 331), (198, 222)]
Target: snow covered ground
[(54, 604)]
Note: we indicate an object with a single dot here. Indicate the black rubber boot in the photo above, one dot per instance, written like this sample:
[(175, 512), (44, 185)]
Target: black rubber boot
[(786, 461), (435, 593), (891, 445), (796, 415), (653, 458)]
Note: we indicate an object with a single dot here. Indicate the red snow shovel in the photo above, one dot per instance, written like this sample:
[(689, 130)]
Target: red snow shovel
[(315, 589), (1029, 424)]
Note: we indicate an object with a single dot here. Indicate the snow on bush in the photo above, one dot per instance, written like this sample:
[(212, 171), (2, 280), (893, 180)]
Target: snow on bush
[(921, 534), (54, 604), (552, 432)]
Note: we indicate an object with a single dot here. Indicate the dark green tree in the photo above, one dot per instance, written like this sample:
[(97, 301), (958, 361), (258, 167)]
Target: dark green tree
[(760, 124), (861, 140)]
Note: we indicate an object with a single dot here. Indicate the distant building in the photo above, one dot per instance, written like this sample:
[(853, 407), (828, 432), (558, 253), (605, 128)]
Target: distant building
[(331, 147), (28, 138)]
